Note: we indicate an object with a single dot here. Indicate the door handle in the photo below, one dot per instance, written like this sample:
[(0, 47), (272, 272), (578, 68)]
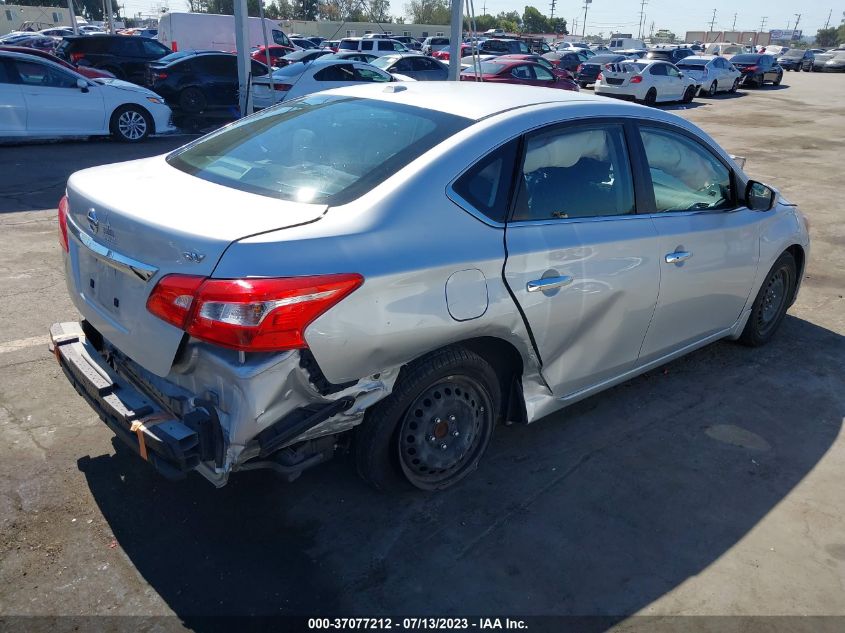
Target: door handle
[(548, 283), (677, 257)]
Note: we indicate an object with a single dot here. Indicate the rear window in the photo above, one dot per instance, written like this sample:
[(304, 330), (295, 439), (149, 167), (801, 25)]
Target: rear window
[(745, 59), (692, 64), (488, 68), (348, 45), (319, 149)]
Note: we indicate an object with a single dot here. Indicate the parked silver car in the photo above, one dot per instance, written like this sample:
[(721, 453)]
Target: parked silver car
[(393, 269)]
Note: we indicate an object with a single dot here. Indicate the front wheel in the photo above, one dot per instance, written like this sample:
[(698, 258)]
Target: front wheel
[(689, 94), (131, 124), (771, 303), (433, 429), (734, 87)]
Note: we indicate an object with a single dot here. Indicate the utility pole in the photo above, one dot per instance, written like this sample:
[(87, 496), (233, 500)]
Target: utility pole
[(574, 25), (552, 12), (797, 21), (73, 23), (642, 18), (587, 4), (713, 20), (484, 8), (733, 27), (827, 24)]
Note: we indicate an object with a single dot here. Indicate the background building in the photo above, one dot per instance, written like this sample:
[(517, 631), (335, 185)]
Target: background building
[(13, 15)]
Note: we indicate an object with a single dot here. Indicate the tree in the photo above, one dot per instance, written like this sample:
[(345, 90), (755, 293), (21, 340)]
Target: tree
[(558, 25), (380, 10), (534, 22), (827, 38), (429, 11), (304, 9)]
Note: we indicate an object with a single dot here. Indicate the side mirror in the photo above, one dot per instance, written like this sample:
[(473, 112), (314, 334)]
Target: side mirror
[(680, 74), (759, 197), (82, 85)]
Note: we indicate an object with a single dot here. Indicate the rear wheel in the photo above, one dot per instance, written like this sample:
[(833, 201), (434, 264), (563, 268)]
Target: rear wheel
[(192, 100), (771, 302), (711, 92), (777, 81), (131, 123), (689, 94), (433, 429), (650, 97)]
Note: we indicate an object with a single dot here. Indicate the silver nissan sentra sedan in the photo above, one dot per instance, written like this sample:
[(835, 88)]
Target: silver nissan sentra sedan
[(393, 270)]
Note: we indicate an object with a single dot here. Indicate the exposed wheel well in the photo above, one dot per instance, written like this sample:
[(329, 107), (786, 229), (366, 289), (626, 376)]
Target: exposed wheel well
[(798, 253), (507, 363)]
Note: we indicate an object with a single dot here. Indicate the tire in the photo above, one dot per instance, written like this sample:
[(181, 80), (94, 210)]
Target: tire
[(117, 72), (777, 81), (771, 303), (735, 87), (192, 100), (583, 85), (650, 97), (131, 124), (450, 398), (711, 92), (689, 94)]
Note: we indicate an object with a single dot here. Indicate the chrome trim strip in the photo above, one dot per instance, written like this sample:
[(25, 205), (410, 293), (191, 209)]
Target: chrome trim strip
[(121, 262)]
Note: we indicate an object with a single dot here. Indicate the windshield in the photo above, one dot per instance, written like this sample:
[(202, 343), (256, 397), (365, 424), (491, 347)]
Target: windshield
[(384, 62), (280, 38), (319, 149), (793, 53), (487, 68), (348, 45)]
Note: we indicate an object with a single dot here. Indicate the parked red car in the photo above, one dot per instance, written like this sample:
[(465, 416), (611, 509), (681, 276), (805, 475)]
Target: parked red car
[(85, 71), (548, 64), (276, 53), (443, 55), (518, 71)]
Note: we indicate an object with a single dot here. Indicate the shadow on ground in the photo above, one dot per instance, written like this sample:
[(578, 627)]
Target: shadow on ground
[(598, 510)]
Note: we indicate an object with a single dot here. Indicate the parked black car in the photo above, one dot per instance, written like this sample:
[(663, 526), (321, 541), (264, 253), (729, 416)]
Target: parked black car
[(503, 47), (797, 59), (757, 69), (671, 55), (198, 82), (124, 56), (588, 71), (409, 42), (567, 61)]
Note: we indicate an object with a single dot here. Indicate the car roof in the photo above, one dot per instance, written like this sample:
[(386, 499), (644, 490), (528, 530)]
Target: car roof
[(706, 58), (472, 100)]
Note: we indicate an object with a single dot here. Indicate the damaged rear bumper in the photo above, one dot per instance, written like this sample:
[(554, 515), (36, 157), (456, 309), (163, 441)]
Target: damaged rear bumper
[(173, 446)]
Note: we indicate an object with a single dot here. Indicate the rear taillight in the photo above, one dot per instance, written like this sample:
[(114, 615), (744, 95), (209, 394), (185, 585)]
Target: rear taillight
[(161, 76), (63, 207), (704, 74), (599, 77), (637, 79), (282, 87), (75, 57), (752, 69), (256, 315), (579, 69)]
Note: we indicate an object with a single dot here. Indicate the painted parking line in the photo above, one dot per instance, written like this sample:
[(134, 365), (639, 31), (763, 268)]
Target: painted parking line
[(23, 343)]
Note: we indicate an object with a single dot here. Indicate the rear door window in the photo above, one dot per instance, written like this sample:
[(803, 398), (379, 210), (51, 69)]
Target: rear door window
[(575, 172), (336, 72)]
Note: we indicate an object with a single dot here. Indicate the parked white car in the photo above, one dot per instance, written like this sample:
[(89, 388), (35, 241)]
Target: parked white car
[(42, 99), (301, 79), (647, 81), (713, 73)]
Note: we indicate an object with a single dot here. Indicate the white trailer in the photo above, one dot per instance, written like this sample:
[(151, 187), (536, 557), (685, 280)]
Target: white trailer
[(208, 31)]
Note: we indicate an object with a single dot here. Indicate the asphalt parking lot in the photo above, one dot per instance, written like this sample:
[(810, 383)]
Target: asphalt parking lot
[(712, 486)]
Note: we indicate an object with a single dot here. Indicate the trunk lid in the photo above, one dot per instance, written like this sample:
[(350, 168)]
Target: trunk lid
[(132, 223), (620, 74)]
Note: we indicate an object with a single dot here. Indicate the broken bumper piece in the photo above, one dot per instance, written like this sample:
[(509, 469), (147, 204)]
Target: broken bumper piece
[(172, 446)]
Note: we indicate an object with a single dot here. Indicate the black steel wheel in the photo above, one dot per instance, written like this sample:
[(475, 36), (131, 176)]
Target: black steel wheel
[(433, 429), (771, 303)]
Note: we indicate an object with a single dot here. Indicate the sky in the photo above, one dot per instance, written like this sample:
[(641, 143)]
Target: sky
[(679, 16)]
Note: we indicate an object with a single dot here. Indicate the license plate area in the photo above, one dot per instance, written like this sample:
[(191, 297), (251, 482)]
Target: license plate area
[(104, 285)]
